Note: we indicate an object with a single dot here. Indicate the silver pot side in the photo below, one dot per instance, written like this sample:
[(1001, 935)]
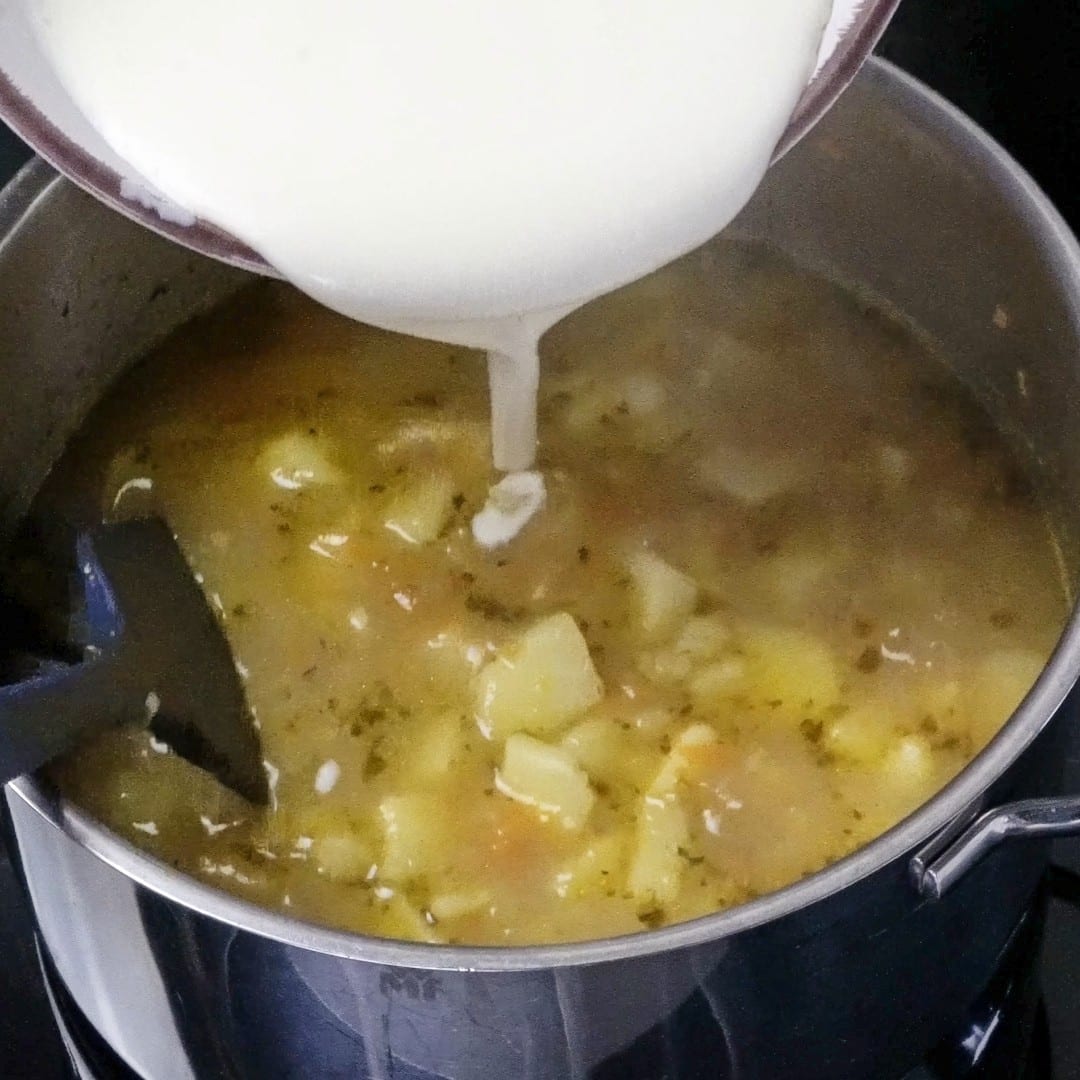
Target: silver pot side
[(850, 973)]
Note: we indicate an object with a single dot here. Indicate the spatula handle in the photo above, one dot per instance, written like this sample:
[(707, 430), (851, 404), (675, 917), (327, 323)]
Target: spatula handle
[(42, 717)]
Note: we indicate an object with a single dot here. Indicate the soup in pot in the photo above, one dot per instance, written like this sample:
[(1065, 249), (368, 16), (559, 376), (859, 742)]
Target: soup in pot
[(786, 580)]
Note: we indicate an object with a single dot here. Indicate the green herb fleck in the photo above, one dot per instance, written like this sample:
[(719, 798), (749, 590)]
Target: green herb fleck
[(493, 609), (653, 918), (869, 660)]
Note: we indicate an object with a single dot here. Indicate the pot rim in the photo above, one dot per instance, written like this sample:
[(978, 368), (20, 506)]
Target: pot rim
[(954, 802)]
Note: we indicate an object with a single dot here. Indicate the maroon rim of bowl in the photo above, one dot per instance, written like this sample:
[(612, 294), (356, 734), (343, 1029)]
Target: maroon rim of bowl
[(89, 173), (93, 176), (843, 65)]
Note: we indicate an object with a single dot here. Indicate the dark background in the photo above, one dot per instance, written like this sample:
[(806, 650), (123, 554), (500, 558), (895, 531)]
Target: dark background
[(1013, 65)]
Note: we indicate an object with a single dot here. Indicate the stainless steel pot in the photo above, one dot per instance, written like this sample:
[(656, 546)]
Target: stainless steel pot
[(853, 972)]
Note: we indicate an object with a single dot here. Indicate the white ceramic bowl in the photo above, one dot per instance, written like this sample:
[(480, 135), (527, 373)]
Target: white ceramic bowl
[(35, 105)]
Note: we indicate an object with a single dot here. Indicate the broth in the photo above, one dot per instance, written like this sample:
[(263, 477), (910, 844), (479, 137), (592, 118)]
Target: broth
[(787, 582)]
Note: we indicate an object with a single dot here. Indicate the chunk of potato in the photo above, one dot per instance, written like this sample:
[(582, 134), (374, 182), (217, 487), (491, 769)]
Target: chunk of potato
[(297, 460), (895, 463), (611, 754), (861, 736), (596, 870), (418, 513), (652, 721), (718, 681), (703, 637), (751, 476), (665, 667), (437, 743), (540, 684), (639, 395), (939, 697), (344, 857), (415, 840), (676, 762), (910, 763), (547, 778), (453, 905), (793, 578), (998, 684), (657, 867), (471, 438), (790, 670), (665, 596), (597, 744)]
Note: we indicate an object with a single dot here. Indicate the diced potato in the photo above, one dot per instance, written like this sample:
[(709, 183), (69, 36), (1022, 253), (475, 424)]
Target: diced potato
[(998, 684), (652, 721), (676, 762), (613, 755), (861, 736), (415, 840), (939, 697), (539, 685), (642, 391), (418, 513), (895, 463), (657, 866), (597, 744), (665, 667), (794, 577), (437, 743), (344, 857), (638, 394), (545, 777), (470, 438), (452, 905), (326, 818), (666, 596), (298, 460), (751, 476), (703, 637), (717, 681), (790, 670), (910, 762), (585, 407), (597, 869)]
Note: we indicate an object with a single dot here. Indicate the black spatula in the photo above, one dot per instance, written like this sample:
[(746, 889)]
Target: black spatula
[(156, 656)]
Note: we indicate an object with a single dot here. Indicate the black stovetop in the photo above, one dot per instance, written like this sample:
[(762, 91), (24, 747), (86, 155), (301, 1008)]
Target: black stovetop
[(1010, 64)]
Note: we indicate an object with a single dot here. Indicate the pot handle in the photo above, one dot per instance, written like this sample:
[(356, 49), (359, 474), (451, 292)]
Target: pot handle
[(941, 863)]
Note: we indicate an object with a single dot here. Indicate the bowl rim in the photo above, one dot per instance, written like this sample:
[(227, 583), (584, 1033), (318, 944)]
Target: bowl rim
[(854, 49), (955, 802)]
